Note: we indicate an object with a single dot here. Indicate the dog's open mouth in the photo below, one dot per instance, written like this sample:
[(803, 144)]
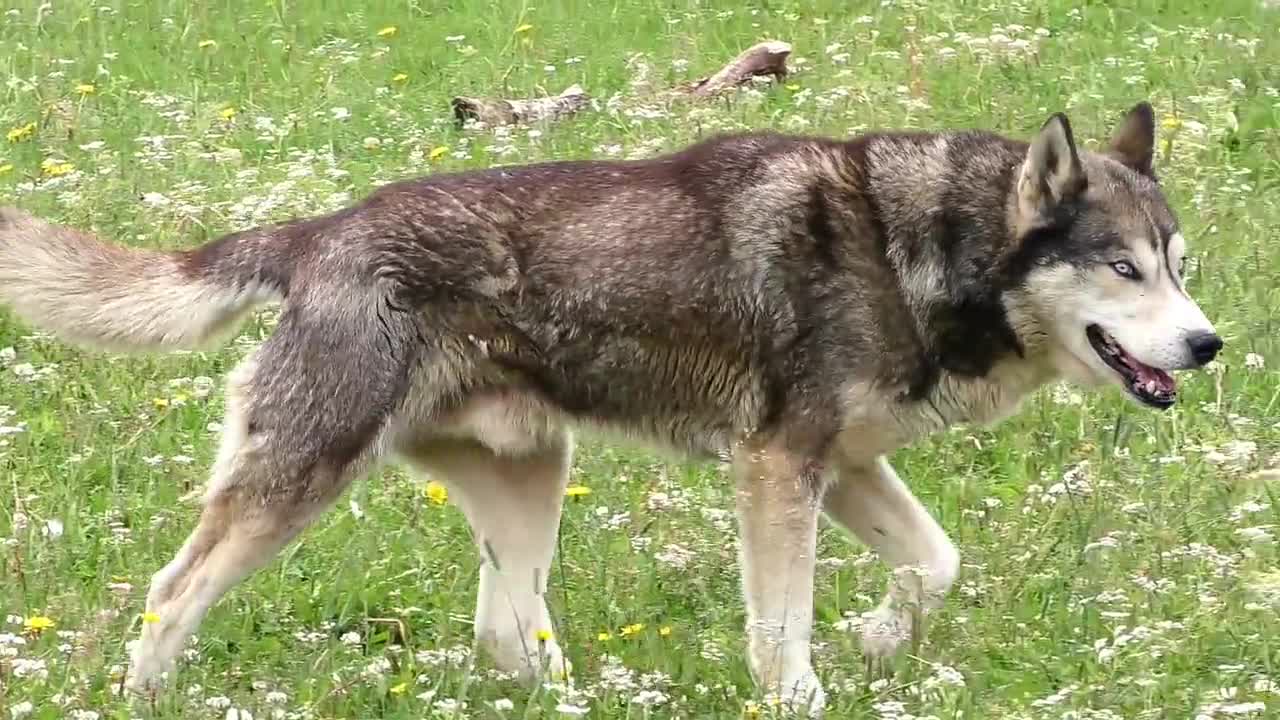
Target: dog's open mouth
[(1151, 385)]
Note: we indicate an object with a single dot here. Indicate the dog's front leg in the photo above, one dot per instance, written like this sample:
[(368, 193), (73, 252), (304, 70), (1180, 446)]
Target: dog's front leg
[(870, 500), (778, 494)]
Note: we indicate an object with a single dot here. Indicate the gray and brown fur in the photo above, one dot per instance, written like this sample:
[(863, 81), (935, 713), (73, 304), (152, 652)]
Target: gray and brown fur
[(802, 305)]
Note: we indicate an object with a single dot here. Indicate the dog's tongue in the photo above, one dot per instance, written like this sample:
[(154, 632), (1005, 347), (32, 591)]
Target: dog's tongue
[(1153, 379)]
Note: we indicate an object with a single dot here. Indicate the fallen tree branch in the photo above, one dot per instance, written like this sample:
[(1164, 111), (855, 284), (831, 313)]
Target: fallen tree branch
[(498, 111), (766, 59)]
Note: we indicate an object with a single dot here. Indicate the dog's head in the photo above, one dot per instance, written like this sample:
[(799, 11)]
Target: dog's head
[(1101, 260)]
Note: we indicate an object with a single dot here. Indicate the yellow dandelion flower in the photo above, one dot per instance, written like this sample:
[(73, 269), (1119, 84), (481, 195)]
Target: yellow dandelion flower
[(228, 112), (524, 28), (604, 637), (793, 86), (38, 623), (1171, 122), (53, 168), (150, 617), (437, 493), (664, 631), (543, 636), (19, 134), (400, 77), (86, 89), (438, 152), (160, 403), (398, 689), (576, 491), (5, 168), (751, 709), (388, 31), (632, 629), (205, 44)]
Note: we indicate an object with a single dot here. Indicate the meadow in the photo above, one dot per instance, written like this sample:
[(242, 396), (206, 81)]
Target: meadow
[(1118, 562)]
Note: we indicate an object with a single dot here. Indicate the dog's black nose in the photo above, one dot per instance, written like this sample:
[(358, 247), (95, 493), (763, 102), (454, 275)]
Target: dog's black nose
[(1204, 347)]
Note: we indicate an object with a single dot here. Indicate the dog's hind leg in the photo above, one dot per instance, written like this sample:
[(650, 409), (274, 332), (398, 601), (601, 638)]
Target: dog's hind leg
[(513, 503), (304, 418), (870, 500), (234, 537)]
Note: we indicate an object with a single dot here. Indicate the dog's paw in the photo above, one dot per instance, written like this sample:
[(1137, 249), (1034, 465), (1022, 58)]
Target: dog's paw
[(801, 696), (552, 665), (145, 675), (140, 689), (533, 662), (884, 630)]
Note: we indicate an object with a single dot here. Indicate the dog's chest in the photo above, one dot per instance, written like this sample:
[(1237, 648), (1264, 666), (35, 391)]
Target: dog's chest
[(878, 421)]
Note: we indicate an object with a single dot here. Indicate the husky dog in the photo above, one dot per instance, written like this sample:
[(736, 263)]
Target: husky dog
[(802, 306)]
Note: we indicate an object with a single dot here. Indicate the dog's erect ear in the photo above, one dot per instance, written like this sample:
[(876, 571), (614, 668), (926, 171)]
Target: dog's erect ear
[(1051, 174), (1134, 141)]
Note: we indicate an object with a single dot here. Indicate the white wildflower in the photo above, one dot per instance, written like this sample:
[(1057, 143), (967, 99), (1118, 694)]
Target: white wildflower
[(376, 669), (615, 676), (947, 675), (30, 668), (1257, 535), (677, 556), (649, 698), (1055, 699), (155, 200), (1241, 451), (448, 706)]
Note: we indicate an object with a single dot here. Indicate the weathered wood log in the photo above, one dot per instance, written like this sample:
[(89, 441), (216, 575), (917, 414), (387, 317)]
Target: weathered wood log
[(768, 58), (765, 59), (500, 111)]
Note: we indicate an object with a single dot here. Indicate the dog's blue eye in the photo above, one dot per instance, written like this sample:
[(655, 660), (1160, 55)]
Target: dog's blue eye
[(1124, 268)]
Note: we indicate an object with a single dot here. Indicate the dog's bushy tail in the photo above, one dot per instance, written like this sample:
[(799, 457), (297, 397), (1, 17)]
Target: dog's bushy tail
[(118, 298)]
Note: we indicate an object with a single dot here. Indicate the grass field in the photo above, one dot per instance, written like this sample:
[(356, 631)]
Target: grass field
[(1119, 563)]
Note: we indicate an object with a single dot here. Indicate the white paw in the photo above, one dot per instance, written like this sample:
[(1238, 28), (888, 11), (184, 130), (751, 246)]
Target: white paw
[(884, 630), (552, 664), (801, 695), (533, 661), (142, 685), (146, 674)]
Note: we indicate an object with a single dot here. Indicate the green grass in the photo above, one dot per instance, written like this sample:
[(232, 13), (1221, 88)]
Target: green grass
[(1176, 611)]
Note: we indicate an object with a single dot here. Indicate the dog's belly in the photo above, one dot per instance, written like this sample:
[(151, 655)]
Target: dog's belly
[(693, 397), (520, 421)]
